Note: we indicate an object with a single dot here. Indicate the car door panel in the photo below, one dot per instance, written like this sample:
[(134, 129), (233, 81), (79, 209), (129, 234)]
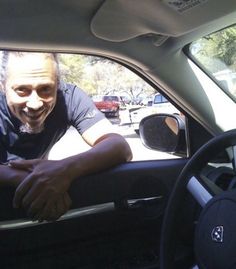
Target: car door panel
[(124, 204)]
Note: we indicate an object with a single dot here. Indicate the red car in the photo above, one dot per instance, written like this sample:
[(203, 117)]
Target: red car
[(108, 104)]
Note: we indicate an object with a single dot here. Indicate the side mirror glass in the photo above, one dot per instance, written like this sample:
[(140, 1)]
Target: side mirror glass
[(164, 132)]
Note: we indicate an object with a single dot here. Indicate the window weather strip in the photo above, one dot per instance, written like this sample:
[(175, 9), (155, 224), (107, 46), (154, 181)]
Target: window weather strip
[(71, 214)]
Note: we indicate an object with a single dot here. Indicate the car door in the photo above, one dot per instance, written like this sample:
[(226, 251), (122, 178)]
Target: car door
[(115, 218), (114, 222)]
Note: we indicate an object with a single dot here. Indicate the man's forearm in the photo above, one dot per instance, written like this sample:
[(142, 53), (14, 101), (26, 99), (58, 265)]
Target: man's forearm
[(107, 153), (49, 180), (10, 176)]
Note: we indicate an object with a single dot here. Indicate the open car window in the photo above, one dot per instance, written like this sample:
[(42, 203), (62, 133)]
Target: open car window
[(123, 96), (216, 53)]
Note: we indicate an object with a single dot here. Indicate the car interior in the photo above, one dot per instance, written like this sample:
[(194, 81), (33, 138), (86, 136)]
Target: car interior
[(177, 212)]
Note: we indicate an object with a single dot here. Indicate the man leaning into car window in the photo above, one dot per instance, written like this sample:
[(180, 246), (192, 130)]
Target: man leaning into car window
[(36, 109)]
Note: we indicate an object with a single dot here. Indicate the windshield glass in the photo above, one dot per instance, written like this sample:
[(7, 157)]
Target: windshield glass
[(111, 98), (216, 53)]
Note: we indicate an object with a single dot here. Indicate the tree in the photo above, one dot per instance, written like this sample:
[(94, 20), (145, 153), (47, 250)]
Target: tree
[(71, 67), (217, 51), (100, 76)]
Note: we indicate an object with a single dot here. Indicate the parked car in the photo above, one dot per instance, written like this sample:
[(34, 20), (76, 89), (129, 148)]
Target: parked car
[(177, 212), (108, 104), (159, 104)]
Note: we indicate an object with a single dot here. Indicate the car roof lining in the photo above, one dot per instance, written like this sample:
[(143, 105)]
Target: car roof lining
[(89, 27), (114, 21)]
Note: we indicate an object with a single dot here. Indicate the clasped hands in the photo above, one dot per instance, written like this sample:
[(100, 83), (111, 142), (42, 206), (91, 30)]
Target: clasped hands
[(43, 192)]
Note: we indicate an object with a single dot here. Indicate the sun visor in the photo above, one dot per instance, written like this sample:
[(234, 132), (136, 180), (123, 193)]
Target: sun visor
[(121, 20)]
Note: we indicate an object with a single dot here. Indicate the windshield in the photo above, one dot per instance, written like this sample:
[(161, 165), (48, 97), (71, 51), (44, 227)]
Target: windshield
[(111, 98), (159, 99), (216, 53)]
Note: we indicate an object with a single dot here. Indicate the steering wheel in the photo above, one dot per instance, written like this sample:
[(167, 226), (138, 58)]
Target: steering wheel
[(215, 236)]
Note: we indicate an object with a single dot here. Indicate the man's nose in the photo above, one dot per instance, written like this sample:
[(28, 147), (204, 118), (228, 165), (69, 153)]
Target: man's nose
[(34, 102)]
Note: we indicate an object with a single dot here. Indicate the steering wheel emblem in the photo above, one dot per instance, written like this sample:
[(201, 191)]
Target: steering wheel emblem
[(217, 234)]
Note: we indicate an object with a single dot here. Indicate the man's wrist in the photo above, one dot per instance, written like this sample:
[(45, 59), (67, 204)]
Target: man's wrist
[(70, 167), (10, 176)]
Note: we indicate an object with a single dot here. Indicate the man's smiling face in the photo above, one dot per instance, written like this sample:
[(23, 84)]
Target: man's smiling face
[(31, 88)]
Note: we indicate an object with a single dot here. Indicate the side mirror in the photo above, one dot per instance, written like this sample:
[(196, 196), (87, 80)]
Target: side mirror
[(164, 132)]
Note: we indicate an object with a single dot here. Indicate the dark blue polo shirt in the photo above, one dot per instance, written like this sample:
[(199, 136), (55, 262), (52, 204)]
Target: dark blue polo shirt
[(73, 108)]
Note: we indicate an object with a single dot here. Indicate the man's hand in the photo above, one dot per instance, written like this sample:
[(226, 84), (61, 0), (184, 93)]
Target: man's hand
[(52, 210), (43, 193)]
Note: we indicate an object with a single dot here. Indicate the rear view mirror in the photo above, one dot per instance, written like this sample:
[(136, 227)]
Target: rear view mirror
[(165, 133)]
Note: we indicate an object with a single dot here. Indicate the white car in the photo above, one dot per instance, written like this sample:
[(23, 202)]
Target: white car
[(159, 104)]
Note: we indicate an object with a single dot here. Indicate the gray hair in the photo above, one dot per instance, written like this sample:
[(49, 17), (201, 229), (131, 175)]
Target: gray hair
[(5, 58)]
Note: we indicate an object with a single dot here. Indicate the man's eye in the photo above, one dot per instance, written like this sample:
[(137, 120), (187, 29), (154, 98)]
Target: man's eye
[(45, 91), (22, 91)]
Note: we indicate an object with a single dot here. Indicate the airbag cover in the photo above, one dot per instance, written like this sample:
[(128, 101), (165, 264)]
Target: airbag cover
[(215, 238)]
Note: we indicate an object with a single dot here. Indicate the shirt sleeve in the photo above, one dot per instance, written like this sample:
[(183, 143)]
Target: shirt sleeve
[(82, 111)]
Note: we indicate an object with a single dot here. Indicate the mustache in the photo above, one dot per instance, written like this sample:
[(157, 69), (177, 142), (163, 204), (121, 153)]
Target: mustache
[(34, 113)]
